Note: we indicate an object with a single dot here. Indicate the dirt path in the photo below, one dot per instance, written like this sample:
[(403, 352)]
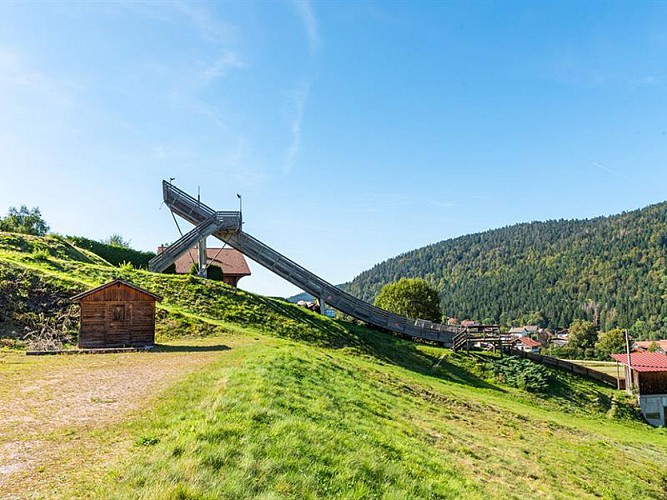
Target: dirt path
[(50, 405)]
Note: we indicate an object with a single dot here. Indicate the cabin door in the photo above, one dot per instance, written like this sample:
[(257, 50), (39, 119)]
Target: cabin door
[(119, 316)]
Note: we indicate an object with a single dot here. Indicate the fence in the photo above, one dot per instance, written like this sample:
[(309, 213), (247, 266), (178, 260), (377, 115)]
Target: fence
[(605, 378)]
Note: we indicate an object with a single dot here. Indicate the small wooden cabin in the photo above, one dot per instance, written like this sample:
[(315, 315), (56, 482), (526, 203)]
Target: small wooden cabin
[(117, 314)]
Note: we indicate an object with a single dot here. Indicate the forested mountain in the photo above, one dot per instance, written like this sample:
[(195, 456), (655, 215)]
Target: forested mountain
[(612, 269)]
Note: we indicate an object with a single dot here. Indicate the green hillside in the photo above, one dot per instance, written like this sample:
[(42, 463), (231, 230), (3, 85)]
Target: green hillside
[(290, 404), (546, 272)]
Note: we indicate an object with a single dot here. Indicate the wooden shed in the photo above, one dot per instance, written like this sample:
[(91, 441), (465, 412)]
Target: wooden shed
[(117, 314)]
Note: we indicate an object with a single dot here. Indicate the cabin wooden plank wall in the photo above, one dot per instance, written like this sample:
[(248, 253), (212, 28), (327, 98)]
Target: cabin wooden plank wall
[(651, 382), (117, 315)]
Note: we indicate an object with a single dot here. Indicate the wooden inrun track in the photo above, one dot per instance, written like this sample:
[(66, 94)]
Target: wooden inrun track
[(227, 227)]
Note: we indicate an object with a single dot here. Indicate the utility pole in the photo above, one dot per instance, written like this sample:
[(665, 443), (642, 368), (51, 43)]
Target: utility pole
[(628, 381)]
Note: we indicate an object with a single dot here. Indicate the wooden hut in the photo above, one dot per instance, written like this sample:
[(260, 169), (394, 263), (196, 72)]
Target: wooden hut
[(117, 314)]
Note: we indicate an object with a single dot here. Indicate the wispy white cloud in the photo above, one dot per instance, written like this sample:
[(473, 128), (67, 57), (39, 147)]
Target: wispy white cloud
[(607, 169), (304, 10), (299, 98), (209, 27), (229, 59)]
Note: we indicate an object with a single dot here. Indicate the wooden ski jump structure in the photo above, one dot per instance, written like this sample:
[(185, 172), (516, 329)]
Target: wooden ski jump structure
[(227, 227)]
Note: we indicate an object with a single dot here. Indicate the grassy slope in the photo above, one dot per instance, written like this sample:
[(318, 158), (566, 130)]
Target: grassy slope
[(307, 407)]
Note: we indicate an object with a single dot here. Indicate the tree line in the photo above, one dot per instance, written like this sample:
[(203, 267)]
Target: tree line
[(611, 271)]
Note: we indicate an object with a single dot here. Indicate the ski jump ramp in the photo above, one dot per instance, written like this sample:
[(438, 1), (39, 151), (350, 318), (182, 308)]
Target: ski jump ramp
[(227, 227)]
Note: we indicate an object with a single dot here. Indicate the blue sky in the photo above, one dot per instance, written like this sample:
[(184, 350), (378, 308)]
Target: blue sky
[(354, 130)]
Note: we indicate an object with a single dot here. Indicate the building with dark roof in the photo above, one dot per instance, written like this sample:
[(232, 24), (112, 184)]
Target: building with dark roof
[(232, 263)]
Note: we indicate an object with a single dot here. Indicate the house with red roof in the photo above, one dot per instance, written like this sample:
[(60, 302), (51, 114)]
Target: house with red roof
[(645, 345), (648, 373), (526, 344), (229, 260)]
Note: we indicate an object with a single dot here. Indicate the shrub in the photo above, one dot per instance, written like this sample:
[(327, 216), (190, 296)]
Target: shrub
[(126, 266), (214, 273), (41, 255), (522, 373), (114, 254)]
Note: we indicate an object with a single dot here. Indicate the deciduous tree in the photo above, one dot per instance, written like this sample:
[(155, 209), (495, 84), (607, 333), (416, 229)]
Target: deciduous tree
[(611, 342), (582, 338), (116, 240), (413, 298), (24, 221)]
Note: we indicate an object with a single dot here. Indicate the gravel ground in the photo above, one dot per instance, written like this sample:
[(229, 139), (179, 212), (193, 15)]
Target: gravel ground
[(45, 398)]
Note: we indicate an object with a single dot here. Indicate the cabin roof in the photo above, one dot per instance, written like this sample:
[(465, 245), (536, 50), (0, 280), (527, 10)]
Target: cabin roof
[(644, 361), (80, 296)]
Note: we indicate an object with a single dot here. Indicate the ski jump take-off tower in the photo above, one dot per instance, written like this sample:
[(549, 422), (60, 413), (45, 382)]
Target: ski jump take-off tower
[(227, 227)]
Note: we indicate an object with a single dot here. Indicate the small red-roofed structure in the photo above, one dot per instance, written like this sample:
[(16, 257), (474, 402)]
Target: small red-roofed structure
[(230, 261), (645, 345), (649, 376), (527, 344)]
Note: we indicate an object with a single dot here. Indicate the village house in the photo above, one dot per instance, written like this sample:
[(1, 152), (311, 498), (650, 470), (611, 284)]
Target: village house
[(230, 261), (645, 345), (649, 377), (523, 331), (526, 344), (560, 338)]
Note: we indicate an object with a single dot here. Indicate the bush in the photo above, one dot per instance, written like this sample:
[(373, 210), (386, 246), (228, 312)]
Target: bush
[(522, 373), (114, 254), (41, 255), (126, 266), (214, 273)]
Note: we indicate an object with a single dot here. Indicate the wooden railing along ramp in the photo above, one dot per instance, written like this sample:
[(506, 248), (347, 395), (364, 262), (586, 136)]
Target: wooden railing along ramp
[(605, 378), (227, 227)]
